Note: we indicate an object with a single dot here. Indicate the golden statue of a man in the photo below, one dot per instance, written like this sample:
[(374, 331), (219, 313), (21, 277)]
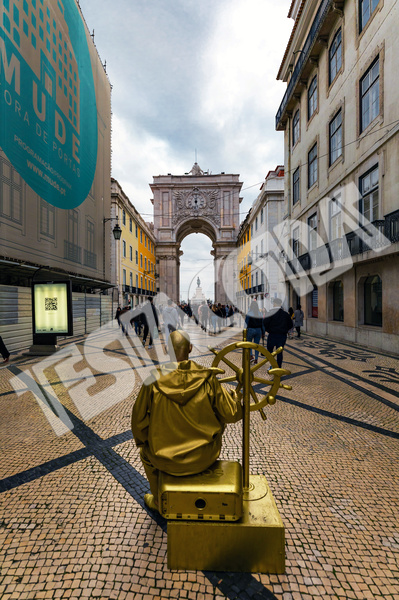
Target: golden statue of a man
[(178, 420)]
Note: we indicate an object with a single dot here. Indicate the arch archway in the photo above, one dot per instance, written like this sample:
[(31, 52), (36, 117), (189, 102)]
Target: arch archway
[(196, 262), (195, 202)]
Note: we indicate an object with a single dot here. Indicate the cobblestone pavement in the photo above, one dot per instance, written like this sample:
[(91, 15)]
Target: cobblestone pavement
[(73, 523)]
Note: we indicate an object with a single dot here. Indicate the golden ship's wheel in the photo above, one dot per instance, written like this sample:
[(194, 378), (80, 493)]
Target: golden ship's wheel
[(246, 374)]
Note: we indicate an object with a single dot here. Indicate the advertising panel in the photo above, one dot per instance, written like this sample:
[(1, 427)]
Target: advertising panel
[(52, 308), (48, 112)]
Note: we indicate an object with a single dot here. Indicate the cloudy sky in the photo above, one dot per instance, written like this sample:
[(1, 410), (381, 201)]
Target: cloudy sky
[(192, 76)]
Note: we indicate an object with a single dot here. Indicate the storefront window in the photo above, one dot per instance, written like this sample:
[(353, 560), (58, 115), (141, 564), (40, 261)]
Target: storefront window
[(338, 301), (373, 301)]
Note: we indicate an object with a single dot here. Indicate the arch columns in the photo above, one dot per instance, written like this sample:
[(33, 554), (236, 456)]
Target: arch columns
[(168, 269)]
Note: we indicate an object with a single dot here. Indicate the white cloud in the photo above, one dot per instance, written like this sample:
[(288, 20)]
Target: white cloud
[(241, 61), (192, 75), (136, 157)]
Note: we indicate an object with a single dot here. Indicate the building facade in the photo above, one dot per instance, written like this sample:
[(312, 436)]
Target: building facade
[(340, 121), (55, 162), (133, 257), (259, 256), (243, 276)]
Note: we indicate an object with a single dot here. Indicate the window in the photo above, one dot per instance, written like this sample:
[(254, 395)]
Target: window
[(366, 9), (369, 197), (335, 137), (315, 302), (252, 230), (295, 186), (338, 301), (123, 217), (312, 230), (131, 253), (137, 257), (137, 281), (141, 236), (373, 301), (370, 95), (335, 57), (73, 226), (256, 224), (295, 241), (124, 276), (312, 166), (11, 196), (295, 128), (145, 264), (137, 230), (141, 260), (47, 219), (261, 216), (145, 241), (130, 224), (312, 97), (124, 248), (90, 236), (335, 220), (131, 280)]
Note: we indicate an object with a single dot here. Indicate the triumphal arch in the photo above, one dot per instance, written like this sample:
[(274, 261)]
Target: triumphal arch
[(197, 202)]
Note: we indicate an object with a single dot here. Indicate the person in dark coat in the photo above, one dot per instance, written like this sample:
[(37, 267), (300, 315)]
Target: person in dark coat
[(277, 323), (3, 351), (148, 322), (254, 324), (298, 320)]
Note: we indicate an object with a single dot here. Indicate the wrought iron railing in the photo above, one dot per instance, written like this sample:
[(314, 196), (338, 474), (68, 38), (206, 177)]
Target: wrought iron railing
[(310, 40), (353, 243), (72, 252), (89, 259)]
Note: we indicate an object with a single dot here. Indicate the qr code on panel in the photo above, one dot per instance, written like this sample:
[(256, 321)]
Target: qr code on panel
[(50, 303)]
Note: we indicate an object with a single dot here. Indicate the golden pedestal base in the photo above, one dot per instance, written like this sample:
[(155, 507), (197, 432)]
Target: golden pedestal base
[(254, 544), (213, 495)]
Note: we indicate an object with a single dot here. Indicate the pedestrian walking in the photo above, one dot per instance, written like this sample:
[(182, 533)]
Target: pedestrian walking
[(203, 312), (150, 322), (3, 351), (117, 315), (255, 328), (277, 323), (170, 319), (298, 320), (291, 331), (123, 323)]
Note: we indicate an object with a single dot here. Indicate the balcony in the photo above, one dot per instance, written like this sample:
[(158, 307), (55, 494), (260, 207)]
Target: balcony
[(312, 39), (89, 259), (354, 243), (72, 252)]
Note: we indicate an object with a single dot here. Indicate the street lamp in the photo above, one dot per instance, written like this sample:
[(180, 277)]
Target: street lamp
[(117, 232)]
